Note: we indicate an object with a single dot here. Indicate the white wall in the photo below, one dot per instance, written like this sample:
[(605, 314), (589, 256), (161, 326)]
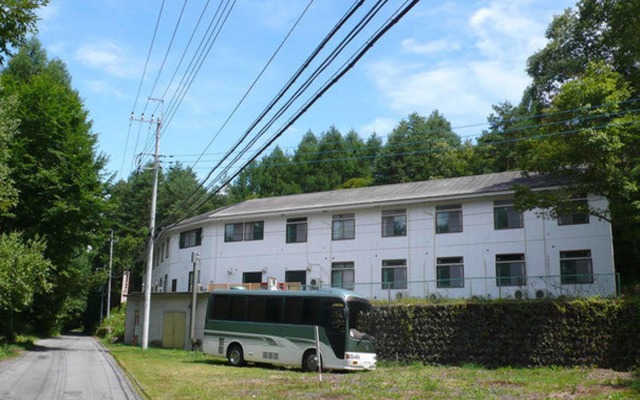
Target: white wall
[(541, 240)]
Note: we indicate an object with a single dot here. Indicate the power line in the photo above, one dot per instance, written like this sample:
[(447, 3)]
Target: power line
[(287, 86), (277, 50), (400, 12)]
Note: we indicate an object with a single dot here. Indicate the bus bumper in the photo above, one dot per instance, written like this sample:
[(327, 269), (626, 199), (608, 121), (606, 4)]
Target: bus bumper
[(359, 361)]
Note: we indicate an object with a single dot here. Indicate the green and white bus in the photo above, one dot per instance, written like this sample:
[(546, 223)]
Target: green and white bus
[(277, 327)]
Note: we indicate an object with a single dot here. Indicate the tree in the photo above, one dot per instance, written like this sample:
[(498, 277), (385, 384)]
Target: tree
[(8, 129), (591, 142), (419, 149), (596, 30), (23, 275), (55, 170), (304, 163), (17, 19), (501, 147)]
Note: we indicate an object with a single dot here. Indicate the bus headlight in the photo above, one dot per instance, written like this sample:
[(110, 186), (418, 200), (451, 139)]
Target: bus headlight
[(352, 356)]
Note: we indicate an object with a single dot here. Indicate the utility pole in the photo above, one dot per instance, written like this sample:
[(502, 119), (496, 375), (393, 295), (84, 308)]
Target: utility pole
[(195, 259), (110, 273), (152, 228)]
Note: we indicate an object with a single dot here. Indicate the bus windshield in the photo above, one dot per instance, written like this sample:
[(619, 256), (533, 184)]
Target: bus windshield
[(357, 311)]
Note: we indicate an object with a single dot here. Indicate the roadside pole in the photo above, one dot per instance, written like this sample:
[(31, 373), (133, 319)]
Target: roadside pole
[(152, 228), (195, 258)]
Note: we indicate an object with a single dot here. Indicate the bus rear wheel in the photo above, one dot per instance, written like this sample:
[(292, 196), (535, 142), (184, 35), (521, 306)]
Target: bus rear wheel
[(310, 361), (235, 355)]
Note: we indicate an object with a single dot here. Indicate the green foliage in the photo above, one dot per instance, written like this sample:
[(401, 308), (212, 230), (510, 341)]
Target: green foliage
[(600, 332), (8, 129), (112, 327), (24, 273), (17, 19), (57, 175), (419, 149)]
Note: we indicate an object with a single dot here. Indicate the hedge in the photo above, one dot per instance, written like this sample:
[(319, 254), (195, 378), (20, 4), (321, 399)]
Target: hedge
[(594, 332)]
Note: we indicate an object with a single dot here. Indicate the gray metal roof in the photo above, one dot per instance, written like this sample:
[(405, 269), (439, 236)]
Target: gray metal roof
[(401, 193)]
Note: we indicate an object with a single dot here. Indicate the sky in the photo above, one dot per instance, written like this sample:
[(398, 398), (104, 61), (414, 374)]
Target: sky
[(457, 57)]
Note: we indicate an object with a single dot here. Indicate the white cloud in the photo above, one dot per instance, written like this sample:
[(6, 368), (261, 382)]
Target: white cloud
[(109, 57), (103, 88), (380, 126), (432, 47), (464, 85), (507, 30)]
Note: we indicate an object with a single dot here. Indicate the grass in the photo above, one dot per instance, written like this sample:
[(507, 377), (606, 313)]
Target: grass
[(12, 350), (176, 374)]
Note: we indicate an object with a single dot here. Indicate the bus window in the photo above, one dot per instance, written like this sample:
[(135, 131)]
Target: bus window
[(334, 317), (256, 309), (357, 312), (273, 309), (293, 310), (237, 308), (310, 311), (220, 309)]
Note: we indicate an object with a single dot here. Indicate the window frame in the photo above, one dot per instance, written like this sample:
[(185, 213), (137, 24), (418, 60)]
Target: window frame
[(291, 235), (253, 275), (578, 217), (448, 263), (448, 210), (576, 278), (250, 231), (339, 269), (343, 226), (194, 237), (503, 280), (510, 211), (243, 231), (392, 218), (397, 265)]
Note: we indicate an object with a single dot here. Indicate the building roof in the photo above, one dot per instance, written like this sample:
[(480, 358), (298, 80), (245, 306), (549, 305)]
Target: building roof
[(401, 193)]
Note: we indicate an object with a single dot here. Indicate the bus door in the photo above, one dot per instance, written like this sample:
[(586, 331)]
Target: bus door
[(335, 325)]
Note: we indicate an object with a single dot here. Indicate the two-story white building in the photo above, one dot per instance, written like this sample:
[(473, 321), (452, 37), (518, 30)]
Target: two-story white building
[(458, 237)]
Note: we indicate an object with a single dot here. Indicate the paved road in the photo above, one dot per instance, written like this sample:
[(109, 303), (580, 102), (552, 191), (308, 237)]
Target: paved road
[(65, 367)]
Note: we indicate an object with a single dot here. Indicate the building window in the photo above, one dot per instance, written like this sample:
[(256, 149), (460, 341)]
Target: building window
[(166, 248), (506, 216), (191, 238), (296, 230), (449, 272), (576, 267), (394, 274), (510, 270), (254, 230), (251, 277), (244, 231), (162, 252), (449, 218), (233, 232), (174, 285), (580, 215), (343, 227), (343, 275), (394, 223)]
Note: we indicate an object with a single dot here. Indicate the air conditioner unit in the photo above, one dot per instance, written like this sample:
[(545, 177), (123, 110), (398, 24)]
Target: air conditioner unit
[(435, 296), (160, 289), (543, 294), (402, 295), (519, 294)]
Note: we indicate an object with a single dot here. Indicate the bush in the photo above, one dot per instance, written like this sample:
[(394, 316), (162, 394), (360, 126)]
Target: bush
[(112, 327), (602, 332)]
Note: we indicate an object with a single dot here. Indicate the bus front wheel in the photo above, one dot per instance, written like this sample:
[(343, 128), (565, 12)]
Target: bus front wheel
[(235, 355), (310, 361)]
